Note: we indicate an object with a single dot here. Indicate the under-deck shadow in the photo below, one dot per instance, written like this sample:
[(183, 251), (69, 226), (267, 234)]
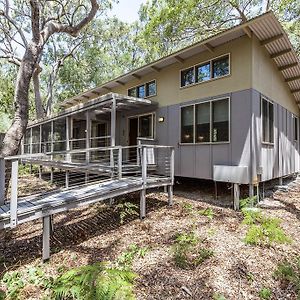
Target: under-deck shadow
[(20, 251)]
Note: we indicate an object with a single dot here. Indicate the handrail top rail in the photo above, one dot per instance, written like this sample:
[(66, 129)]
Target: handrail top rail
[(42, 154)]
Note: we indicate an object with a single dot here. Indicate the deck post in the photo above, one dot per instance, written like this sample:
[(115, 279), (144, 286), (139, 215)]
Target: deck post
[(120, 163), (46, 237), (40, 172), (14, 194), (251, 190), (280, 181), (144, 183), (2, 181), (170, 195), (52, 138), (51, 175), (67, 178), (236, 195)]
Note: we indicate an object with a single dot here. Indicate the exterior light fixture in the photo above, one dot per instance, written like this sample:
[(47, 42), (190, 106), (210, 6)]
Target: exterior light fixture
[(161, 119)]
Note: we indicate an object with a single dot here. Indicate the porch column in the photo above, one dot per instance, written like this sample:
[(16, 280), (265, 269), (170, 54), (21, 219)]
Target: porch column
[(113, 123), (30, 147), (236, 196), (51, 150), (87, 141), (46, 238), (68, 156)]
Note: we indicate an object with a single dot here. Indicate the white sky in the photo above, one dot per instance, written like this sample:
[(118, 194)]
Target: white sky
[(127, 10)]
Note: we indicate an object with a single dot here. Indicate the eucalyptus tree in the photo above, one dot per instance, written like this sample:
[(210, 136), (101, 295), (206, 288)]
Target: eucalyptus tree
[(111, 48), (30, 25)]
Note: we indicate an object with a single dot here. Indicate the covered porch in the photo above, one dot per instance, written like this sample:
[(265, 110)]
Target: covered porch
[(108, 120)]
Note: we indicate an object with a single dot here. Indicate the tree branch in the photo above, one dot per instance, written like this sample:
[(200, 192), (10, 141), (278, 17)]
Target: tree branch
[(73, 30), (5, 14)]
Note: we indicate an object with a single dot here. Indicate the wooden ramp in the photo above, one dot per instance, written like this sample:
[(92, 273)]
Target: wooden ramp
[(123, 176), (42, 205)]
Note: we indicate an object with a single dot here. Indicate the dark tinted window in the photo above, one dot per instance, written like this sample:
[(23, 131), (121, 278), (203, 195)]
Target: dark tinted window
[(187, 124), (145, 126), (267, 115), (203, 122), (295, 128), (187, 77), (220, 125), (132, 92), (220, 66), (151, 88)]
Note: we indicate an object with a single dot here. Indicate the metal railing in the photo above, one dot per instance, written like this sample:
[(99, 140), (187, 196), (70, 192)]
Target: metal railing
[(149, 162)]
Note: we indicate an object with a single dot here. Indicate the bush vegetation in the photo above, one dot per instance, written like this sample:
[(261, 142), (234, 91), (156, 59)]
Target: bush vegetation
[(289, 272), (263, 230), (102, 280), (188, 251)]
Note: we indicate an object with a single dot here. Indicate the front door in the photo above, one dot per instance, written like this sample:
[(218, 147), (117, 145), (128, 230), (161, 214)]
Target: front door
[(133, 135), (133, 131)]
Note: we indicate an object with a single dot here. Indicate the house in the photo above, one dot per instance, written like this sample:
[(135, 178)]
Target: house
[(228, 104)]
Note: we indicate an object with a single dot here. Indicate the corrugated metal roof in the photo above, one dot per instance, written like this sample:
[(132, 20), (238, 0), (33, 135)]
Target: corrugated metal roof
[(280, 50), (265, 27)]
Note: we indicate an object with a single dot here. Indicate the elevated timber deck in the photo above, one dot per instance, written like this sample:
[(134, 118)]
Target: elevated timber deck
[(119, 173)]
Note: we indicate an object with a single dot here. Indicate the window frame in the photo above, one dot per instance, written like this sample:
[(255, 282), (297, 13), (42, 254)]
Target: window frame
[(210, 61), (211, 122), (153, 129), (263, 98), (145, 85), (295, 134)]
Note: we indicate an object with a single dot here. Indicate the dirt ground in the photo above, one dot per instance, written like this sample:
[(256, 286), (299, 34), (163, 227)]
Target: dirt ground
[(235, 271)]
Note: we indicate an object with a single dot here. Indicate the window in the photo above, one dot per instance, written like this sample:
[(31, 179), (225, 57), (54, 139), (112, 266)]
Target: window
[(203, 72), (145, 90), (151, 88), (187, 124), (267, 115), (210, 124), (209, 70), (203, 122), (132, 92), (220, 67), (141, 93), (295, 128), (146, 126), (187, 77), (220, 123)]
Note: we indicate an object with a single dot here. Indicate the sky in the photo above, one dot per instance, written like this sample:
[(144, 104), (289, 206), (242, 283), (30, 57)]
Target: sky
[(127, 10)]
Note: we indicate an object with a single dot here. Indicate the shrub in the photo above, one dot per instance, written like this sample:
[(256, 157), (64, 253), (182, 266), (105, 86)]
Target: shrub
[(248, 202), (265, 293), (187, 251), (208, 212), (126, 209), (263, 231), (290, 273), (97, 281), (125, 260)]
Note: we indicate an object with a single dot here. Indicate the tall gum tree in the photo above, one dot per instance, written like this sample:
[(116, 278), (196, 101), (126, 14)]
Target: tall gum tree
[(46, 18)]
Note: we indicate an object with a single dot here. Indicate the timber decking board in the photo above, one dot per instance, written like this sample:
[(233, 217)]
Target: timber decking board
[(30, 208)]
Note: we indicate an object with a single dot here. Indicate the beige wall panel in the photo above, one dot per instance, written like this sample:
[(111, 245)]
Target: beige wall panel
[(269, 81), (168, 79)]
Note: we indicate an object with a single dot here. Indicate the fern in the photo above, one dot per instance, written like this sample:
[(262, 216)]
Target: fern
[(97, 281), (126, 209), (125, 260)]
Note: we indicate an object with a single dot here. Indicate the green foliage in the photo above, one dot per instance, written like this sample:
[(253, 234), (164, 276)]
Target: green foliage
[(265, 293), (289, 271), (208, 212), (126, 209), (187, 251), (125, 260), (97, 281), (263, 231), (188, 208), (218, 297), (248, 202), (14, 284)]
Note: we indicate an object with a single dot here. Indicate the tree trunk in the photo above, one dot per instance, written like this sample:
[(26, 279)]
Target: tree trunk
[(13, 137), (39, 109)]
